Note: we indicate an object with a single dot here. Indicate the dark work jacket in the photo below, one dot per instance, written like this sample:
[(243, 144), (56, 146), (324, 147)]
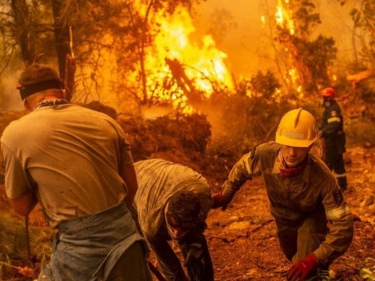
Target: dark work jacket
[(333, 127)]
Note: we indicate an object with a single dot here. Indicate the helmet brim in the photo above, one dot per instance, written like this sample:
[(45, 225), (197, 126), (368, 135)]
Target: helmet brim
[(295, 142)]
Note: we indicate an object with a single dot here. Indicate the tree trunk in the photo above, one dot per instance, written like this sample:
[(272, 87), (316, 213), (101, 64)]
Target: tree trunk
[(22, 31), (61, 29)]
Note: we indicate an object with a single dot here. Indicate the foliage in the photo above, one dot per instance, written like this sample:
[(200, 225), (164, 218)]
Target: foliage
[(359, 131), (264, 85), (243, 121), (305, 18), (364, 19), (108, 39), (13, 240), (317, 55), (310, 57), (191, 131), (189, 134), (366, 91)]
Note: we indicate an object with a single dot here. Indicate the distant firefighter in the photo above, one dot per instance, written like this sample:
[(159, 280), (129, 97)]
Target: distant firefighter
[(172, 203), (332, 132), (314, 223)]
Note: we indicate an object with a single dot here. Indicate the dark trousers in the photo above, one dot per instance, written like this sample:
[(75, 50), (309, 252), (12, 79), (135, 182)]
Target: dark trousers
[(335, 162), (298, 241), (197, 259)]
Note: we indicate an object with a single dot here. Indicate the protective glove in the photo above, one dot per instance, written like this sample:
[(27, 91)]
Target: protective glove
[(302, 268), (220, 201)]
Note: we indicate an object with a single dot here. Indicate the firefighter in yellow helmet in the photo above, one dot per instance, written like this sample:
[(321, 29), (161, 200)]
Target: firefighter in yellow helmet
[(332, 132), (314, 223)]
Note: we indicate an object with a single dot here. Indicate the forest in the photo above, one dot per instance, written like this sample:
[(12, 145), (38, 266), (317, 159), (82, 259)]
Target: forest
[(170, 87)]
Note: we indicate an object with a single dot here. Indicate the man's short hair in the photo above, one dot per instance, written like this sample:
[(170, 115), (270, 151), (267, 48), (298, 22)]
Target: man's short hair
[(184, 206), (37, 78), (36, 73)]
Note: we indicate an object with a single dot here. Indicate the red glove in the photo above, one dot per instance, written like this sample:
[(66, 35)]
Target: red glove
[(302, 268), (220, 201)]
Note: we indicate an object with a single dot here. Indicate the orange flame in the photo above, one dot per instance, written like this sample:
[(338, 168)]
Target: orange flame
[(202, 61), (283, 17)]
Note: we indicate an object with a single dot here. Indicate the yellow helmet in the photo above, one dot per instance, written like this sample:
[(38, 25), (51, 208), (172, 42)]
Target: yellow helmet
[(297, 128)]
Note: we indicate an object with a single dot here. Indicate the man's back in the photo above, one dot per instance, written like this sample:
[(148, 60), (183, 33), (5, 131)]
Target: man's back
[(67, 152), (157, 180)]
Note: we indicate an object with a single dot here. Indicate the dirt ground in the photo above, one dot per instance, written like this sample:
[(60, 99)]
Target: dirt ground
[(242, 239)]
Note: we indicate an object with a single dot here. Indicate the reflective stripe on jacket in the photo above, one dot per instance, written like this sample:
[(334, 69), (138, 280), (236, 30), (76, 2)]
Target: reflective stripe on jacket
[(294, 198)]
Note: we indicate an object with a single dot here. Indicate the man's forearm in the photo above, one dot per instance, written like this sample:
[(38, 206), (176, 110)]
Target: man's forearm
[(25, 204)]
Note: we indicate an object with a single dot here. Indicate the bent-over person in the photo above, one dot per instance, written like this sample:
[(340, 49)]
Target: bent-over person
[(314, 223), (172, 204)]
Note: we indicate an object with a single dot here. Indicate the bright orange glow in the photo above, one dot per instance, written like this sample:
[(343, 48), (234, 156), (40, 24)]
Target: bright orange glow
[(283, 16), (284, 20), (202, 62)]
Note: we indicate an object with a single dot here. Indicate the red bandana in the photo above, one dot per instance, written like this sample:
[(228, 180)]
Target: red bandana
[(291, 172)]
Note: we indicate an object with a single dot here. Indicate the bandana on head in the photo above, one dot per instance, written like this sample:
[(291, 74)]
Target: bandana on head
[(290, 172), (28, 90)]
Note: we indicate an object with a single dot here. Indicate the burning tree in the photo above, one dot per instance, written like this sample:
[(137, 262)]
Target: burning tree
[(127, 52), (307, 60), (173, 69), (364, 31)]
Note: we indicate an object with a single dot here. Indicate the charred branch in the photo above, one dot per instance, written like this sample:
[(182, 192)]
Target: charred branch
[(354, 79), (183, 81)]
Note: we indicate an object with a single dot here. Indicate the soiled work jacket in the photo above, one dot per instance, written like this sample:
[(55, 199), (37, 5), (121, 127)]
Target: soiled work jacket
[(293, 198)]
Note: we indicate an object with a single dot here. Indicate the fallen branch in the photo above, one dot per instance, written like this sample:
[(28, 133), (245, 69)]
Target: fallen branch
[(261, 225), (24, 271), (262, 267), (224, 239)]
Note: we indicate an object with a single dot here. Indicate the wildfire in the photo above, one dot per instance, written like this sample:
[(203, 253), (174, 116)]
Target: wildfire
[(284, 20), (201, 62)]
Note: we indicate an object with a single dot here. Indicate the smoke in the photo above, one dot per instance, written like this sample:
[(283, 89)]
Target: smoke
[(249, 46), (9, 97)]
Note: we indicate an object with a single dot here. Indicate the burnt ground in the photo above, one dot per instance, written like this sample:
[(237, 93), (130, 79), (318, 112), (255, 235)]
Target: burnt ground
[(242, 239)]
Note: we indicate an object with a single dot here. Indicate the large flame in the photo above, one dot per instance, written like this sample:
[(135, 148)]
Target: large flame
[(203, 62), (283, 17)]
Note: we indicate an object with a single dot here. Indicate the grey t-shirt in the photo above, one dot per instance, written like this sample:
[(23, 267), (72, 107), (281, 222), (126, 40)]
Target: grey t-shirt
[(70, 156)]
